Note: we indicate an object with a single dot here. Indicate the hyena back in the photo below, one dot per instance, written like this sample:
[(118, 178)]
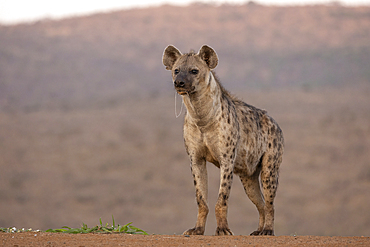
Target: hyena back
[(236, 137)]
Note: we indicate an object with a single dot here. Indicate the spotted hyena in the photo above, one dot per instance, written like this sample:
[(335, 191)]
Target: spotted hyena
[(236, 137)]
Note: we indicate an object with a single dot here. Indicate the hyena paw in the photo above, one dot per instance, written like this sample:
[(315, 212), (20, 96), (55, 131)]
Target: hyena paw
[(267, 232), (223, 231), (255, 233), (194, 231), (263, 233)]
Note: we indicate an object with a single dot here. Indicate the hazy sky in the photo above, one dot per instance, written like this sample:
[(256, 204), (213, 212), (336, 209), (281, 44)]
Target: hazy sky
[(14, 11)]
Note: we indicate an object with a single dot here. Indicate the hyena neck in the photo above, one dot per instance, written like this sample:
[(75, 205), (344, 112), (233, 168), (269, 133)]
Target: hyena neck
[(204, 105)]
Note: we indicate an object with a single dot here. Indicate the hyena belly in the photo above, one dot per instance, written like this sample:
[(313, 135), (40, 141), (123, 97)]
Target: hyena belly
[(259, 137)]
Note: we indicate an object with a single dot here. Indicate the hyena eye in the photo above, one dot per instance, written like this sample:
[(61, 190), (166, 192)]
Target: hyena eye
[(176, 71), (194, 71)]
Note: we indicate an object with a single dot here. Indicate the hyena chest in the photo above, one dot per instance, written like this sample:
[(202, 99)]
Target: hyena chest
[(219, 144)]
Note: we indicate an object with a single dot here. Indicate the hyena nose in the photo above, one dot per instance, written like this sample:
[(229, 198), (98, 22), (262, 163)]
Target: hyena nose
[(179, 83)]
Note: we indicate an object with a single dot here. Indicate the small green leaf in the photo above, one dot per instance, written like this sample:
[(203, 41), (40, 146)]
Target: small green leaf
[(114, 223)]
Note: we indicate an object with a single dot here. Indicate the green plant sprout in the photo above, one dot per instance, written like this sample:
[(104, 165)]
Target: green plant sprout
[(128, 228)]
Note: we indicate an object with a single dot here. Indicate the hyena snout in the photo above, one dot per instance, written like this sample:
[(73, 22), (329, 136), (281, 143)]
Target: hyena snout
[(183, 85)]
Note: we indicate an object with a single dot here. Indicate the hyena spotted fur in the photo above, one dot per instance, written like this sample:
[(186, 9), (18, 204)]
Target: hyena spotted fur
[(236, 137)]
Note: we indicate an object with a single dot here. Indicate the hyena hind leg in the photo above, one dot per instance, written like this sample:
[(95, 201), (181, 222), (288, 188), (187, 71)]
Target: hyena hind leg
[(252, 188), (269, 182)]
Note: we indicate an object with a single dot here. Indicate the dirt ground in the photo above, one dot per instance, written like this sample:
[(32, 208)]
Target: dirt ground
[(62, 239)]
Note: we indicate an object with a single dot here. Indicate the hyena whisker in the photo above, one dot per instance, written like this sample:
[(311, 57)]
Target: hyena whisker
[(182, 104)]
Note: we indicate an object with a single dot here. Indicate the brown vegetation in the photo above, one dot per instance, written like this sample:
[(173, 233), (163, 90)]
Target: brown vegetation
[(87, 126)]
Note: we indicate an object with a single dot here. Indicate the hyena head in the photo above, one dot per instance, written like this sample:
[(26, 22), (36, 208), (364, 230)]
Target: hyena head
[(190, 71)]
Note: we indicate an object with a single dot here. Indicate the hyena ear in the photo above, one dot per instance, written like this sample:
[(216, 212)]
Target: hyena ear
[(170, 55), (209, 56)]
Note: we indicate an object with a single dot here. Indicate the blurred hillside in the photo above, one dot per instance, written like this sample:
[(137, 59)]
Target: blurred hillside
[(106, 57), (87, 123)]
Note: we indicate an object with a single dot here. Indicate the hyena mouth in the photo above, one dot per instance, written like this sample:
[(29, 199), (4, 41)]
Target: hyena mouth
[(183, 91)]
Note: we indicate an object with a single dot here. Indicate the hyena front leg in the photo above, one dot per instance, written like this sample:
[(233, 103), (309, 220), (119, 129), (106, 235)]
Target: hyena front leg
[(226, 179), (199, 171)]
